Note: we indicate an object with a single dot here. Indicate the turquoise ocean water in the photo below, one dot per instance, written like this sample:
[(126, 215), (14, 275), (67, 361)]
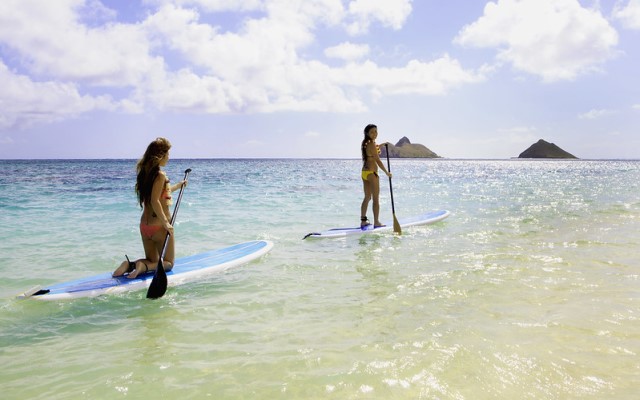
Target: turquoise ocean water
[(529, 290)]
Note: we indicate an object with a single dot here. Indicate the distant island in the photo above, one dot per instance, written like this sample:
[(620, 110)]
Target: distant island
[(405, 149), (544, 149)]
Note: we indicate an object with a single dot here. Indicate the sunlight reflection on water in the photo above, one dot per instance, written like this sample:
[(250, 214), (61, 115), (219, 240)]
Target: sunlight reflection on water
[(528, 290)]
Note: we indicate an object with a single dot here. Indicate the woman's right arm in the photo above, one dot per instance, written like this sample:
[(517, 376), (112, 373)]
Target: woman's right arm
[(377, 159)]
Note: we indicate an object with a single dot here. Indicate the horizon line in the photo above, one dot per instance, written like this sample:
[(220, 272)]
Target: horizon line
[(326, 158)]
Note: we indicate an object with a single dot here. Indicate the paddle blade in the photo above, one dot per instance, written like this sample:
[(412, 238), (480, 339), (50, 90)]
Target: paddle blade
[(396, 225), (158, 285)]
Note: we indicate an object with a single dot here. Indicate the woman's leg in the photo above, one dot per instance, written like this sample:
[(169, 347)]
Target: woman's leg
[(142, 267), (122, 269), (169, 254), (149, 263), (156, 243), (375, 193), (366, 186)]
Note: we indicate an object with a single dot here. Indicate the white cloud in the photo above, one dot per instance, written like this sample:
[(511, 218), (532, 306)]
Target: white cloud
[(636, 106), (262, 62), (554, 39), (347, 51), (94, 10), (629, 15), (185, 91), (214, 5), (53, 43), (391, 14), (594, 114), (417, 77), (24, 102), (172, 60)]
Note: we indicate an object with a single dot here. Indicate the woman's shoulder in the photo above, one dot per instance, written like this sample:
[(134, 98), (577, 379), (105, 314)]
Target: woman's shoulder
[(372, 147)]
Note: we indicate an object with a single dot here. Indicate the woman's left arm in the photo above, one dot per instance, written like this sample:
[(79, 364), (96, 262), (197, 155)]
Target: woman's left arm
[(178, 185)]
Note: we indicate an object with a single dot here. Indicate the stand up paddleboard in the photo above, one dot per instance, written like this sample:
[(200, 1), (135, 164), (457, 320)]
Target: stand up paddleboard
[(186, 269), (424, 219)]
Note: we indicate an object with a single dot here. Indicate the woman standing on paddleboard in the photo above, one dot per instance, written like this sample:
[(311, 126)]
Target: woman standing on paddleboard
[(370, 179), (154, 195)]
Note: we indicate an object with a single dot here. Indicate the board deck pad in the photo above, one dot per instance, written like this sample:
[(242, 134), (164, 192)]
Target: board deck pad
[(186, 269), (424, 219)]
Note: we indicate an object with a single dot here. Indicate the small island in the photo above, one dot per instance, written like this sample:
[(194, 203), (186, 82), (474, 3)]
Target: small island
[(405, 149), (544, 149)]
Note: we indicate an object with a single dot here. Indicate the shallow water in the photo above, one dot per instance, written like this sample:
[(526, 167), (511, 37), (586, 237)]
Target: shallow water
[(528, 290)]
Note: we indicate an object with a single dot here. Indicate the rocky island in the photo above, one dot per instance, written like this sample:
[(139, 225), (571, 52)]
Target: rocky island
[(544, 149), (405, 149)]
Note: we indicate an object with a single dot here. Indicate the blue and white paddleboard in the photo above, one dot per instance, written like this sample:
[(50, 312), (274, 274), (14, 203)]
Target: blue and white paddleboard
[(424, 219), (186, 269)]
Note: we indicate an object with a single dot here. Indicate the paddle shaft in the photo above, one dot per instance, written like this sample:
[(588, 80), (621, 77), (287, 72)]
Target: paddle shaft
[(393, 208), (396, 225), (175, 213)]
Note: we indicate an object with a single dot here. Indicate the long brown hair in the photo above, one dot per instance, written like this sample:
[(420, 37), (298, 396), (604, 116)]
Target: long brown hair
[(365, 141), (148, 168)]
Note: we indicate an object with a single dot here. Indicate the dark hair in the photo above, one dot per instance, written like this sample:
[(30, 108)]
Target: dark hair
[(368, 128), (366, 140), (148, 168)]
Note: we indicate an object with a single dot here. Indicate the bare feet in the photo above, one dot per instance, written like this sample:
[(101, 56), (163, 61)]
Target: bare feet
[(138, 270), (126, 266)]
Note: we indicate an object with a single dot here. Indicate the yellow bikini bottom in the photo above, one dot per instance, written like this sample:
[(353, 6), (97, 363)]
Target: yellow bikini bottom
[(365, 174)]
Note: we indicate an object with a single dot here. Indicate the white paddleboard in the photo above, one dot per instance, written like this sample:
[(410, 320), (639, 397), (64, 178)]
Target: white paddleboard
[(424, 219), (186, 269)]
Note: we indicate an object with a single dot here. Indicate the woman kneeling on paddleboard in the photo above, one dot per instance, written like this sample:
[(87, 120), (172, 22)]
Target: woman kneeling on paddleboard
[(154, 195), (370, 180)]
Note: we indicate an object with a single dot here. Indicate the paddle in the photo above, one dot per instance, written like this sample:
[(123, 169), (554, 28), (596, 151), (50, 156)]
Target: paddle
[(158, 285), (396, 224)]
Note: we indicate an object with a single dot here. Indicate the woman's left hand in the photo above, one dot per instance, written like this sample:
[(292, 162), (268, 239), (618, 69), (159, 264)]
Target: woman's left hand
[(178, 185)]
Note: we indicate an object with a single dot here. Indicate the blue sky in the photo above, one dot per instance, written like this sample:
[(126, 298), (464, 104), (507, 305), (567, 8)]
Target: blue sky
[(301, 78)]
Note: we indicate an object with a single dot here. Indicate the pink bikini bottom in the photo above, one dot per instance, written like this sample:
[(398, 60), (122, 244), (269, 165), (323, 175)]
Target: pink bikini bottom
[(149, 230)]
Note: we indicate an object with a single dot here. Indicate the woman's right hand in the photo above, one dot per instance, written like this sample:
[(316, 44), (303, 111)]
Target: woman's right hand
[(167, 226)]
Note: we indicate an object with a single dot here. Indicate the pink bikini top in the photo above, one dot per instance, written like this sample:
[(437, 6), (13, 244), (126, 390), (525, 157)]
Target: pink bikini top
[(166, 194)]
